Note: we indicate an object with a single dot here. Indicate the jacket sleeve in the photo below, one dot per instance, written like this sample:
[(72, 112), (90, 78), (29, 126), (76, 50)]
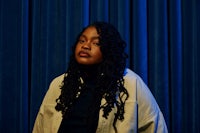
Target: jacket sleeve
[(48, 119), (154, 124), (150, 118)]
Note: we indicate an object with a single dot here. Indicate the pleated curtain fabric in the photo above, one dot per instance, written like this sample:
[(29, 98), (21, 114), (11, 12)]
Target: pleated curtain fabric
[(163, 44)]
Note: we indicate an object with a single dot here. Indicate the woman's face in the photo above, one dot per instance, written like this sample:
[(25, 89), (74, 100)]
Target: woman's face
[(87, 51)]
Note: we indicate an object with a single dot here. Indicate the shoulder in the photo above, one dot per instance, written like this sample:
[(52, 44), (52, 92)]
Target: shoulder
[(134, 84), (132, 79), (139, 91), (57, 81), (128, 73), (54, 89)]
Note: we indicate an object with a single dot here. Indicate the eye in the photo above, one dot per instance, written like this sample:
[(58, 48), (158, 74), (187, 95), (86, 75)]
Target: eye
[(96, 43), (81, 41)]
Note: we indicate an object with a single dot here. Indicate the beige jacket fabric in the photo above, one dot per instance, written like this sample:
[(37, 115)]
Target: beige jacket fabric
[(142, 114)]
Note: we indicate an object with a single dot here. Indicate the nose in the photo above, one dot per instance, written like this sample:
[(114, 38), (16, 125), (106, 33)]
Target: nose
[(86, 46)]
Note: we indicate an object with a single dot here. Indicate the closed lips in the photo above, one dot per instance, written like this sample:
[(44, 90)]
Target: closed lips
[(84, 54)]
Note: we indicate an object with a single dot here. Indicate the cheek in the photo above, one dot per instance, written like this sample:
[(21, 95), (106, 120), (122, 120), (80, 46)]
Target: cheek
[(99, 55), (77, 49)]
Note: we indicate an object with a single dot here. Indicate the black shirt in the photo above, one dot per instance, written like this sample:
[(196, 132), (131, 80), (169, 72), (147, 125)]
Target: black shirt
[(83, 117)]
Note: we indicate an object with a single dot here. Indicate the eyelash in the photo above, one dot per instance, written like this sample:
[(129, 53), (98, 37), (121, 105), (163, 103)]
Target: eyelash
[(81, 41), (95, 43)]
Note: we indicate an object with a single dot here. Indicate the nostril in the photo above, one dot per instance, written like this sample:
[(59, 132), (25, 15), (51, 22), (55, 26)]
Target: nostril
[(86, 46)]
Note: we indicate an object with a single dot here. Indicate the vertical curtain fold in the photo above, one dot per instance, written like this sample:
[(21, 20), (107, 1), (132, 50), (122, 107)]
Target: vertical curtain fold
[(158, 69), (175, 64), (24, 116), (99, 10), (162, 42), (13, 66), (139, 38), (190, 93)]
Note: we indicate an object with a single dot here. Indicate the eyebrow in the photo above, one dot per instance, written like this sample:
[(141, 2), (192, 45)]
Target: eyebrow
[(93, 38)]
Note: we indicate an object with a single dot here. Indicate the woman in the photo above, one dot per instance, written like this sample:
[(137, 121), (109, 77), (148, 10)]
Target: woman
[(98, 93)]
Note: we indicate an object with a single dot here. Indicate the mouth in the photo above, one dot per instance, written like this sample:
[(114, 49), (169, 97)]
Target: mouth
[(84, 54)]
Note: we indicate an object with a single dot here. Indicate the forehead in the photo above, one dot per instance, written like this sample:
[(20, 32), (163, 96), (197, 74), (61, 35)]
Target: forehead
[(90, 31)]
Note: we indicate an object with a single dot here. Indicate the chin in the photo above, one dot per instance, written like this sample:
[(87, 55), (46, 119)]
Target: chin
[(84, 62)]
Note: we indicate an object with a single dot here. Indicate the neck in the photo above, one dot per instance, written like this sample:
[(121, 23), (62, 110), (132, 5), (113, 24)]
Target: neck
[(89, 75), (89, 71)]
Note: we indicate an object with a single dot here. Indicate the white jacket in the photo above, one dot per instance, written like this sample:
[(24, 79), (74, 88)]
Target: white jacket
[(142, 114)]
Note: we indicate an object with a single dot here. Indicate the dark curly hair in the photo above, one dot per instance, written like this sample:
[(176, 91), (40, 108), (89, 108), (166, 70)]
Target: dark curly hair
[(110, 74)]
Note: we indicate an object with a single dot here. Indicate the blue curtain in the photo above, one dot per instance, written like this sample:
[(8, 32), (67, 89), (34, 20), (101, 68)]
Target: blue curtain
[(163, 43)]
